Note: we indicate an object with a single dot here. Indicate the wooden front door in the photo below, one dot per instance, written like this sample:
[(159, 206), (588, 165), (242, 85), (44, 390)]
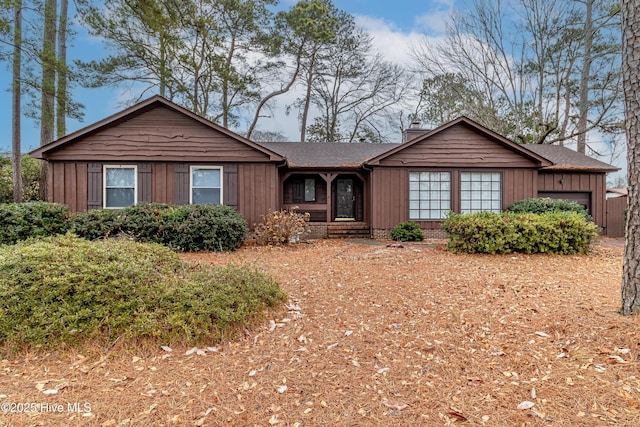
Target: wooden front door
[(345, 198)]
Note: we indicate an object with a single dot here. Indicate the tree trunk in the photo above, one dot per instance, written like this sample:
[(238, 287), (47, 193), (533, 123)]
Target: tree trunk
[(47, 112), (16, 154), (61, 97), (584, 78), (307, 99), (631, 85)]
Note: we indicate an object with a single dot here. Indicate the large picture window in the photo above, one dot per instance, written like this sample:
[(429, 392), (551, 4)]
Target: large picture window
[(120, 183), (206, 185), (429, 195), (480, 191)]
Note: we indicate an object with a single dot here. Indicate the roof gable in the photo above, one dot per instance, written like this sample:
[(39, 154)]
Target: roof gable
[(461, 142), (155, 129)]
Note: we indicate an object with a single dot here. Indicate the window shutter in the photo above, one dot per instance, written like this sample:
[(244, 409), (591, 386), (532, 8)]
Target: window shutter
[(94, 187), (182, 184), (230, 186), (144, 183)]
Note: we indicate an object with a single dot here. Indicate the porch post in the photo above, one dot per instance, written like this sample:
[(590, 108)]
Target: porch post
[(329, 177)]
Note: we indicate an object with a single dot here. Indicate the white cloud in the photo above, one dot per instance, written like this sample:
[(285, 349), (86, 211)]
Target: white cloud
[(434, 22), (394, 44)]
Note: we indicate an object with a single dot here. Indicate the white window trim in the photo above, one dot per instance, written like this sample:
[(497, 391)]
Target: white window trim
[(104, 184), (195, 167), (501, 173), (451, 193)]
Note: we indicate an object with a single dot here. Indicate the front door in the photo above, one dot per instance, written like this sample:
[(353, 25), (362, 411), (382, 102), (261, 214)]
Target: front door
[(345, 198)]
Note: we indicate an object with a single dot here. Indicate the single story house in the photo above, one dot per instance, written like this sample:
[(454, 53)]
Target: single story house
[(157, 151)]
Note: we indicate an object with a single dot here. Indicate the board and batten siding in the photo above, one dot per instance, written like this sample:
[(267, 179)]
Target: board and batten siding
[(67, 182), (258, 194), (568, 182), (80, 185), (458, 146), (159, 134), (390, 197)]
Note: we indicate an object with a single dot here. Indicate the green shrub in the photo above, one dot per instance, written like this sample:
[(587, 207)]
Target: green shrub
[(281, 227), (65, 289), (96, 223), (407, 232), (30, 179), (19, 221), (545, 204), (557, 232), (188, 227)]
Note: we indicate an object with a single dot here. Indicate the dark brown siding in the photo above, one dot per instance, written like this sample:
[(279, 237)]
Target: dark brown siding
[(390, 198), (159, 135), (258, 191), (595, 183), (68, 185), (163, 177), (616, 207), (518, 184), (458, 146)]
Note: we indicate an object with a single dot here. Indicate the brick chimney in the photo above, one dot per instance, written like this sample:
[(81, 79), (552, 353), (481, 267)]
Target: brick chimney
[(413, 132)]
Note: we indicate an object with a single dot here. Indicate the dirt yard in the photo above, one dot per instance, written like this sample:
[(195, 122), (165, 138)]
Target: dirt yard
[(373, 335)]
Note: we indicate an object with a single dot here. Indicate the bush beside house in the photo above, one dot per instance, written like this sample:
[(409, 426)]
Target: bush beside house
[(188, 227), (557, 232)]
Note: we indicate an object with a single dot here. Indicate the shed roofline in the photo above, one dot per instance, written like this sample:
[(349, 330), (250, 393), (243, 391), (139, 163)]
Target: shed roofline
[(142, 106)]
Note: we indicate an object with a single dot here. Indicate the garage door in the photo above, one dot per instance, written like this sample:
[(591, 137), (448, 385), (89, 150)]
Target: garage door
[(581, 197)]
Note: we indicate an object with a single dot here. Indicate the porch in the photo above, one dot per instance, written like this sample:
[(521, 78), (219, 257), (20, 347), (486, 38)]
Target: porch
[(332, 198)]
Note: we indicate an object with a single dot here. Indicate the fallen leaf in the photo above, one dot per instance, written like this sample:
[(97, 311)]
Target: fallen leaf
[(457, 415), (526, 405), (395, 404)]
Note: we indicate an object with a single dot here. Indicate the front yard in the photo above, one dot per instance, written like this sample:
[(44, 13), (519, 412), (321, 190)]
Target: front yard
[(373, 335)]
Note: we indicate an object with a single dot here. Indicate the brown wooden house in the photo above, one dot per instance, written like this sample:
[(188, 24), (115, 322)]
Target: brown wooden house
[(157, 151)]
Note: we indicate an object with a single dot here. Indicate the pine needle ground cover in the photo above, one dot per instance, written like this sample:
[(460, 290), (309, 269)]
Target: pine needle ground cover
[(375, 335)]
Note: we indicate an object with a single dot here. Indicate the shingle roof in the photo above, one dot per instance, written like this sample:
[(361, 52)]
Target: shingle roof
[(564, 158), (327, 154)]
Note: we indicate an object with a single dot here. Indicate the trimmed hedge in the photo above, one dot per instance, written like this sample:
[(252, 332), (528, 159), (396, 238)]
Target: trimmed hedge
[(65, 289), (541, 205), (20, 221), (407, 232), (554, 232), (187, 227)]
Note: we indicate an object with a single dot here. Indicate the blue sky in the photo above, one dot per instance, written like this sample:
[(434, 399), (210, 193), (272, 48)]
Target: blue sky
[(393, 24)]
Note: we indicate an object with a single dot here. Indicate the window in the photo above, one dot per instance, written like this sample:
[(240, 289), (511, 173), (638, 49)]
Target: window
[(120, 183), (480, 191), (309, 190), (429, 195), (206, 185)]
